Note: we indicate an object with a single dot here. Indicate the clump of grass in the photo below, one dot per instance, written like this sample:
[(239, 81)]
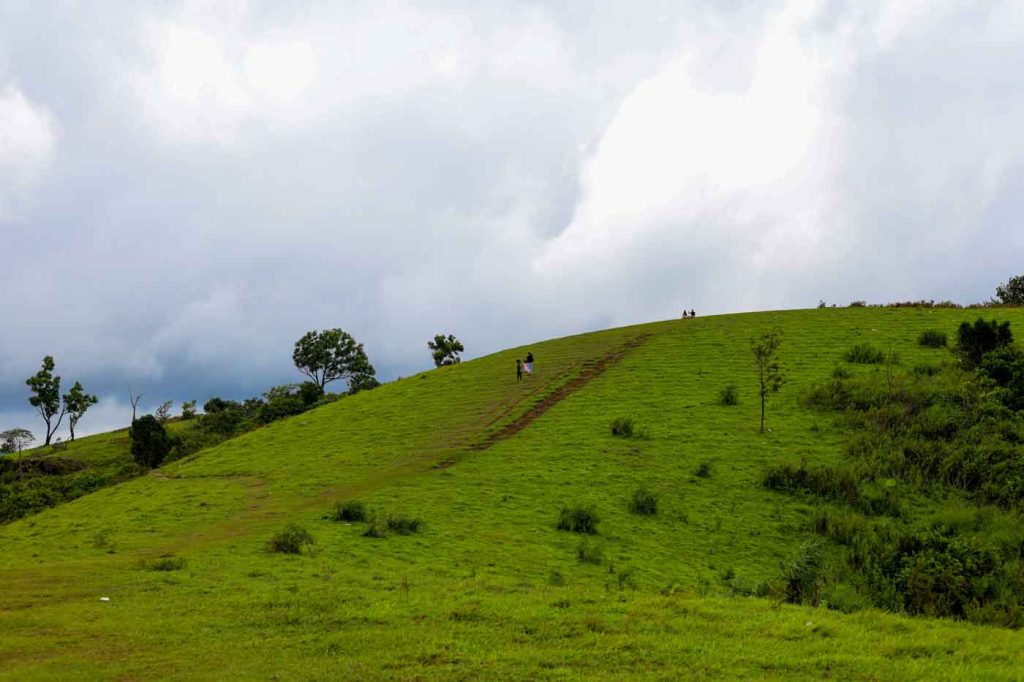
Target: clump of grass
[(351, 511), (643, 502), (840, 372), (865, 354), (589, 554), (932, 338), (404, 525), (925, 370), (556, 579), (729, 395), (578, 520), (704, 470), (166, 563), (291, 540), (623, 427), (374, 529)]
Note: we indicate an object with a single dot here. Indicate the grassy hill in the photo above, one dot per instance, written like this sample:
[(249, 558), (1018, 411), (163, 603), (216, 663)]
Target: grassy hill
[(489, 587)]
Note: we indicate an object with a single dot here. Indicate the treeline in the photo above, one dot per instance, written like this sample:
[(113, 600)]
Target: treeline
[(923, 515)]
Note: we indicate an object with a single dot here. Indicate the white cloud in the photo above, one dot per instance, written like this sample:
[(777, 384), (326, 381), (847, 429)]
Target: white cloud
[(28, 142)]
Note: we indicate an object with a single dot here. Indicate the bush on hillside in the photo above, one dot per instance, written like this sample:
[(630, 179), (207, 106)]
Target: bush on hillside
[(291, 540), (150, 443), (729, 395), (623, 427), (974, 341), (703, 470), (931, 338), (643, 502), (404, 525), (578, 520), (351, 511), (864, 354)]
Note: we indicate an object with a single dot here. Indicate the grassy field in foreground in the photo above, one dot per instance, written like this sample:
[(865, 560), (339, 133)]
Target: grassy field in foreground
[(488, 587)]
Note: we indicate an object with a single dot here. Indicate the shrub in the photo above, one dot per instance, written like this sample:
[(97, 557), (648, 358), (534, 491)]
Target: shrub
[(974, 341), (840, 372), (643, 502), (623, 427), (150, 443), (291, 540), (166, 563), (864, 354), (932, 339), (729, 395), (351, 511), (704, 470), (858, 304), (404, 525), (374, 529), (578, 520), (588, 553)]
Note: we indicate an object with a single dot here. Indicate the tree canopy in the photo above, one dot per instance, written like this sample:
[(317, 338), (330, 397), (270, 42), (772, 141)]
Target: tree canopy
[(445, 350), (46, 397), (332, 354), (1011, 292), (76, 403), (15, 440)]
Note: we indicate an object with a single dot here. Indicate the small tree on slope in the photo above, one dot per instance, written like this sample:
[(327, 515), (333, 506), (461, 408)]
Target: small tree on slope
[(46, 399), (330, 355), (1012, 292), (76, 403), (445, 350), (769, 374)]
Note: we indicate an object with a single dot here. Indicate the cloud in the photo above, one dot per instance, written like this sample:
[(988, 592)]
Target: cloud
[(231, 175), (28, 141)]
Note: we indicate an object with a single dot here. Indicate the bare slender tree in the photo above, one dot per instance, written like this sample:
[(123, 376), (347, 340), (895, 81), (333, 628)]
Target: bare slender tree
[(134, 400)]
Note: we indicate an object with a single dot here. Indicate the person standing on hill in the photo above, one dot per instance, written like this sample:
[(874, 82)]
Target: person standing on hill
[(528, 365), (692, 314), (519, 369)]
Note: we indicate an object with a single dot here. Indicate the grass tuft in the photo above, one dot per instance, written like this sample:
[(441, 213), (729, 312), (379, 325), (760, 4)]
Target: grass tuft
[(578, 520)]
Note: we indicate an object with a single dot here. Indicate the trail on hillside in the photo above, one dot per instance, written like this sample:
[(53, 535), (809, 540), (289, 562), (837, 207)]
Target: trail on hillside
[(591, 370)]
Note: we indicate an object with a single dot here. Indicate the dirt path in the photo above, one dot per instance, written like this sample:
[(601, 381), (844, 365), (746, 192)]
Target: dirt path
[(591, 370)]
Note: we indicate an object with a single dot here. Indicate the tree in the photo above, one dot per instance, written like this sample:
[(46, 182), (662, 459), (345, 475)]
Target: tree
[(14, 441), (1012, 292), (445, 350), (134, 399), (188, 410), (769, 374), (76, 403), (163, 413), (150, 443), (974, 341), (331, 355), (46, 400)]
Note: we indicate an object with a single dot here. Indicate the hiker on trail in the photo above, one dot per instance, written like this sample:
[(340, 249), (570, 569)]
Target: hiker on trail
[(519, 369), (528, 365)]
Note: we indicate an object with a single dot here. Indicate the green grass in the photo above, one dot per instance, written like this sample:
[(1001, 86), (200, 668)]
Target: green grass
[(472, 594)]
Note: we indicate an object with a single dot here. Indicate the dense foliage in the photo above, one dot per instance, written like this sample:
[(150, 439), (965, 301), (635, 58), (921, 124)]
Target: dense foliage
[(946, 434)]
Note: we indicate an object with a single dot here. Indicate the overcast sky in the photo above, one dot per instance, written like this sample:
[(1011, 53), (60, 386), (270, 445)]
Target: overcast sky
[(188, 187)]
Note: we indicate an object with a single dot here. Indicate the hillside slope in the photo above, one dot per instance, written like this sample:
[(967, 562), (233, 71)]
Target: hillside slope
[(489, 587)]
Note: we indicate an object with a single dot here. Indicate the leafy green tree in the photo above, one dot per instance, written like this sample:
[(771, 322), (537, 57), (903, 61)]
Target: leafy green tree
[(331, 355), (974, 341), (188, 410), (445, 350), (769, 374), (150, 442), (15, 440), (163, 413), (1011, 292), (76, 403), (46, 399)]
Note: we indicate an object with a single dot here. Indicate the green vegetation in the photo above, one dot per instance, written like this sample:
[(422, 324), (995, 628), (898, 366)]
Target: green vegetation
[(445, 350), (864, 354), (933, 338), (489, 587)]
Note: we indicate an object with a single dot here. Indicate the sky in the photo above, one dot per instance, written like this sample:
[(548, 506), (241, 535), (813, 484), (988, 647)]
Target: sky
[(188, 187)]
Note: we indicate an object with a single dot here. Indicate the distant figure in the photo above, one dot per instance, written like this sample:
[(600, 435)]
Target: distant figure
[(692, 314), (528, 365), (519, 369)]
